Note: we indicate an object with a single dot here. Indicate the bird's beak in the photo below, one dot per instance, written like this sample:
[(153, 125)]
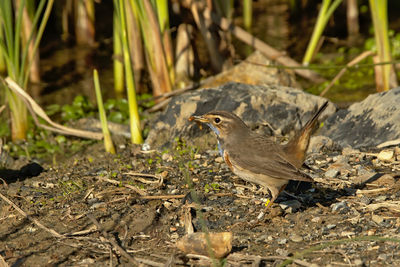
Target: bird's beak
[(198, 119)]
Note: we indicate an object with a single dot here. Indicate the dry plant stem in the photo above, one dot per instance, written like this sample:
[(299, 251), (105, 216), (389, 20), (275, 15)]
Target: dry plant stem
[(27, 29), (36, 109), (353, 27), (342, 71), (3, 263), (112, 242), (269, 51), (200, 19), (137, 190), (36, 222), (389, 143)]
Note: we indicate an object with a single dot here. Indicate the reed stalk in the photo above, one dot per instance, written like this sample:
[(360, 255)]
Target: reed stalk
[(108, 143), (134, 120), (19, 55), (117, 58), (84, 22), (325, 13), (154, 49), (380, 21), (247, 14), (163, 19)]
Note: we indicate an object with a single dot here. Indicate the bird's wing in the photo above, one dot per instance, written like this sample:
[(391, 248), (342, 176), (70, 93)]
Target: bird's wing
[(262, 156)]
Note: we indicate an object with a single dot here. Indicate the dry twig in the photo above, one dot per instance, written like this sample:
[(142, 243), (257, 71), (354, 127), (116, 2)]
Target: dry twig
[(23, 213), (134, 188), (35, 109), (113, 242)]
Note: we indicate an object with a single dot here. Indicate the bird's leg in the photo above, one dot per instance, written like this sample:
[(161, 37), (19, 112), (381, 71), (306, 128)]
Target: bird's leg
[(274, 195)]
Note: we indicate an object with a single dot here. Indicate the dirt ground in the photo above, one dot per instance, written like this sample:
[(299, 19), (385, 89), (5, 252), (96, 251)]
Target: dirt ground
[(96, 208)]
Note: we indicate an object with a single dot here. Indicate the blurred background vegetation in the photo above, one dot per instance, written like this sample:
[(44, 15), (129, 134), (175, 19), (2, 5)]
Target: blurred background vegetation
[(144, 49)]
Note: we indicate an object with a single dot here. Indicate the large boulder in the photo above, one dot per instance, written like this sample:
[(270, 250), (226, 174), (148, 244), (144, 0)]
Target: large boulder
[(271, 110), (368, 123)]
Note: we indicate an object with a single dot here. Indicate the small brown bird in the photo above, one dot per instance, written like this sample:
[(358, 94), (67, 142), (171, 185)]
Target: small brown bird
[(256, 158)]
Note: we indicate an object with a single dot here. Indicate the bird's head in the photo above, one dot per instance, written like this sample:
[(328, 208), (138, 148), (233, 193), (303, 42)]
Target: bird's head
[(223, 123)]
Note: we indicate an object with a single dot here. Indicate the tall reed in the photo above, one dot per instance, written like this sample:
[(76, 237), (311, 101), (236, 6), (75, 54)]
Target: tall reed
[(134, 119), (380, 19), (325, 13), (155, 54), (17, 57), (108, 143)]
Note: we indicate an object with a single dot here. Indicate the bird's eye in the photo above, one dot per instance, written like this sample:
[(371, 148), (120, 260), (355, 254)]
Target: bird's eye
[(217, 120)]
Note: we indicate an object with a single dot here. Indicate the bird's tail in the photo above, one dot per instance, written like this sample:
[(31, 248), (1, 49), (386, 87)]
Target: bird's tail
[(297, 147)]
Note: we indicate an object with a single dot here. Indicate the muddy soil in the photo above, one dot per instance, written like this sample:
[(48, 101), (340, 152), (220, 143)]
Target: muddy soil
[(349, 217)]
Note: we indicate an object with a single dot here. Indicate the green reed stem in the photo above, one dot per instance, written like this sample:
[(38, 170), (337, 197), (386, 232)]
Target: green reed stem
[(380, 20), (325, 13), (108, 143), (118, 65), (134, 120)]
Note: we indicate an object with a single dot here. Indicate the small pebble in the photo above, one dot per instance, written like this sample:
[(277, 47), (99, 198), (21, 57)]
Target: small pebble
[(340, 207), (296, 238), (166, 157), (282, 241), (290, 206), (316, 219), (386, 155), (260, 215), (330, 226), (377, 219), (282, 252), (365, 200), (347, 233)]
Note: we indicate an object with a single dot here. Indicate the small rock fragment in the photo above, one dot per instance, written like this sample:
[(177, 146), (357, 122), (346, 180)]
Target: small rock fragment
[(365, 200), (316, 219), (377, 219), (332, 173), (386, 155), (340, 207), (282, 241), (282, 252), (317, 143), (167, 157), (347, 233), (296, 238), (330, 226), (290, 206)]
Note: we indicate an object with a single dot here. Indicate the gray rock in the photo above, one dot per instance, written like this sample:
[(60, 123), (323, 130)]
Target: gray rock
[(283, 109), (367, 123), (319, 142)]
